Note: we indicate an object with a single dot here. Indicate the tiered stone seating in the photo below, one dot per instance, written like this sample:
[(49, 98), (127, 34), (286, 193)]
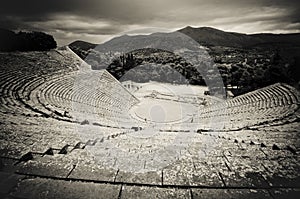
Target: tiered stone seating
[(93, 93), (9, 93), (258, 107), (253, 151), (49, 84), (21, 73)]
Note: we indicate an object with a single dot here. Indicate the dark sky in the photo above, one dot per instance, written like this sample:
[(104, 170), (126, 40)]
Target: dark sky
[(99, 20)]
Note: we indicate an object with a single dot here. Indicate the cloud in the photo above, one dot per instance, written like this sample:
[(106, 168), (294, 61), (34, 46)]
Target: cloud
[(97, 20)]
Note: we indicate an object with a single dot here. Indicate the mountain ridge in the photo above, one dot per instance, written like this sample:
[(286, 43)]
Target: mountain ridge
[(214, 37), (209, 36)]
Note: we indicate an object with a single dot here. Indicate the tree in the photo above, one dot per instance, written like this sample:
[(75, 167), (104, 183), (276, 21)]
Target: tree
[(26, 41)]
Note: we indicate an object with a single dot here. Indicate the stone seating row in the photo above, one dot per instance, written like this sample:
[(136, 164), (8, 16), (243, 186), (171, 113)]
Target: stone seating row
[(63, 94), (267, 104), (46, 85)]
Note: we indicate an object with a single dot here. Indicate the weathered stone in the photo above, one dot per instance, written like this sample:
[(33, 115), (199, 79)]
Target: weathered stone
[(275, 154), (52, 166), (153, 192), (146, 177), (179, 173), (283, 172), (240, 179), (249, 193), (206, 174), (211, 193), (53, 189), (14, 150), (250, 141), (285, 193), (8, 181), (281, 180), (8, 165), (93, 172)]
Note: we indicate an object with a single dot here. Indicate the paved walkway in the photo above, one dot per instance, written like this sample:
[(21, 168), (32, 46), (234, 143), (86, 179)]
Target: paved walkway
[(50, 159)]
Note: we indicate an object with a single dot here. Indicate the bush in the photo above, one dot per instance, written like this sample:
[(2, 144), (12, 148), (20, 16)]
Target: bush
[(26, 41)]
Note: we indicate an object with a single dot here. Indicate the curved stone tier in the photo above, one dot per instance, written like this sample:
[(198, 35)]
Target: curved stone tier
[(61, 91), (265, 105)]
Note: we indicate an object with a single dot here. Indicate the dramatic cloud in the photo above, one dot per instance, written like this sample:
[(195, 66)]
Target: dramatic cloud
[(98, 20)]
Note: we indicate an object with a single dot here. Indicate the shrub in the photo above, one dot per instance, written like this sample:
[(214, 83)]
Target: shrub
[(26, 41)]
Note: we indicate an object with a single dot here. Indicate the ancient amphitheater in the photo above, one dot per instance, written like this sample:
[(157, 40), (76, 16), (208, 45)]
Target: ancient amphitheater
[(69, 132)]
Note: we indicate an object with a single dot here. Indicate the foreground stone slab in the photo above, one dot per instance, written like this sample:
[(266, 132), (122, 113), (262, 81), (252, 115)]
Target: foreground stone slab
[(206, 174), (7, 182), (187, 172), (285, 193), (50, 166), (179, 173), (276, 154), (229, 193), (54, 189), (8, 165), (14, 150), (210, 193), (240, 179), (148, 177), (249, 193), (284, 180), (153, 193), (283, 172), (93, 172), (244, 172)]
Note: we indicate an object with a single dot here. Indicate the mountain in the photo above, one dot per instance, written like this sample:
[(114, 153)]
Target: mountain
[(173, 41), (166, 41), (205, 36), (247, 61), (213, 37)]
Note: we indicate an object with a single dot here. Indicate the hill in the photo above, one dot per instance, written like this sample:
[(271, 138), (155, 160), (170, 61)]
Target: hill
[(81, 48), (205, 36), (82, 44), (213, 37), (121, 54), (246, 62)]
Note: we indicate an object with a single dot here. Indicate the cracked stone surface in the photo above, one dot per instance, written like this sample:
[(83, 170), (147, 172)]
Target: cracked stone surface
[(45, 188), (153, 192), (237, 148)]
